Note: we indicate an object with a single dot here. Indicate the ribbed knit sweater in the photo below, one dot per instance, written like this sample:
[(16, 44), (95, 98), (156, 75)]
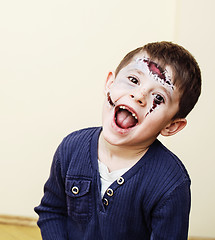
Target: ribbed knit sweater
[(151, 201)]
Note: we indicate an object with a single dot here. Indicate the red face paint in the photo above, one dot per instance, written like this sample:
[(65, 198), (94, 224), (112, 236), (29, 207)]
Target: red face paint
[(158, 73), (155, 69)]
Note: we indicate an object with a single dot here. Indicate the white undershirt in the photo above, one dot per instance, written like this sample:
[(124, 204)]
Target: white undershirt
[(107, 178)]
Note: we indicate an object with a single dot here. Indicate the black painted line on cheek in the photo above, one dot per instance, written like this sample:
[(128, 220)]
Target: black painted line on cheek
[(110, 100)]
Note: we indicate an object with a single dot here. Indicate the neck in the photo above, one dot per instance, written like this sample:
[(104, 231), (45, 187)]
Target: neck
[(117, 157)]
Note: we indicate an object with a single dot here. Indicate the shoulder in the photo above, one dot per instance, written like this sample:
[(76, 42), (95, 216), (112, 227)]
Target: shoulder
[(164, 172), (81, 135), (169, 162), (75, 144), (78, 138), (164, 176)]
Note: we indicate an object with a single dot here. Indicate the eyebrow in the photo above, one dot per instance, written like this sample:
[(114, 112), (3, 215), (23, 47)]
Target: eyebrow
[(139, 71)]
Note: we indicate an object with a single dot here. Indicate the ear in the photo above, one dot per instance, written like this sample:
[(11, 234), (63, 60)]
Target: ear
[(109, 81), (174, 127)]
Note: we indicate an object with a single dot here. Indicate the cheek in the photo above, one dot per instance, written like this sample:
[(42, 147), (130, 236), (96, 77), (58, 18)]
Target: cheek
[(120, 88), (117, 90)]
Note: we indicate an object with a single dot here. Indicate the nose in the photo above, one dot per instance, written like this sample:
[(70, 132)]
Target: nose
[(140, 98)]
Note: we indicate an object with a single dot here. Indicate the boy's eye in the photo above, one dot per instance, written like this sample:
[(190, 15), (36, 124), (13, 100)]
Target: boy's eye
[(133, 80), (158, 99)]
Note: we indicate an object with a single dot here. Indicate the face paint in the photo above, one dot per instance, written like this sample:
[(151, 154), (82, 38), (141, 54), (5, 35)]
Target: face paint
[(159, 75), (154, 70), (110, 100), (153, 107)]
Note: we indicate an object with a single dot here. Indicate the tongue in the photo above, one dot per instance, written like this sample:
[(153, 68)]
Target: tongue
[(124, 119)]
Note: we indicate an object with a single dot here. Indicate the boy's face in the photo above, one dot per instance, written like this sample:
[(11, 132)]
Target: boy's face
[(141, 102)]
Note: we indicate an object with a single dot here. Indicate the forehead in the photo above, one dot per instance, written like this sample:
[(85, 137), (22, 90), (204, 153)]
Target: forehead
[(143, 64)]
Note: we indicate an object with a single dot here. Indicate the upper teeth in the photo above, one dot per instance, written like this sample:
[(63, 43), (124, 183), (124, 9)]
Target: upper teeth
[(122, 107), (133, 114)]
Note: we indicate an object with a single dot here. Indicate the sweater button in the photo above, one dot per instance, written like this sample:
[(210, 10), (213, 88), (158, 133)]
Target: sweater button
[(120, 180), (105, 201), (75, 190), (109, 192)]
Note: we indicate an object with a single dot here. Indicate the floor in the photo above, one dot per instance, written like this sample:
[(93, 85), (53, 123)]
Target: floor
[(15, 232), (199, 238)]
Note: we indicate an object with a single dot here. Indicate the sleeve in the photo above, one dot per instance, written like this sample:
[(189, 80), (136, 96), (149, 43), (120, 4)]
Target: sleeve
[(170, 219), (53, 210)]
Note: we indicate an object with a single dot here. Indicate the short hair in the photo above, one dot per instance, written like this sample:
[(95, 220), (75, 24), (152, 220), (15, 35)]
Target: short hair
[(186, 71)]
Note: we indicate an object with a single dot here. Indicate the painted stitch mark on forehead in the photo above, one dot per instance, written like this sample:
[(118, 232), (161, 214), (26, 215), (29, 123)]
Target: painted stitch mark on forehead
[(156, 71)]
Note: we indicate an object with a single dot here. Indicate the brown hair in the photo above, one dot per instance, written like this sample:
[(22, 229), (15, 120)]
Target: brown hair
[(186, 71)]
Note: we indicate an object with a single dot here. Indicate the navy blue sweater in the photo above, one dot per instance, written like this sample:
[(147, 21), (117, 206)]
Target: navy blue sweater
[(150, 201)]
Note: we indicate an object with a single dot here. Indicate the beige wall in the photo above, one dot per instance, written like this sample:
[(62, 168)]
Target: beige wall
[(54, 57), (195, 30)]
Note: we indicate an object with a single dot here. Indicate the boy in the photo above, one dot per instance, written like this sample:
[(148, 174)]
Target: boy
[(119, 182)]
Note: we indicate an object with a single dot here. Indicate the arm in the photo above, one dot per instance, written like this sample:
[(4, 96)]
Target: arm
[(53, 211), (170, 219)]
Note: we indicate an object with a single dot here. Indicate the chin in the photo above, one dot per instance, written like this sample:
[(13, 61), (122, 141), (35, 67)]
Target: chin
[(117, 137)]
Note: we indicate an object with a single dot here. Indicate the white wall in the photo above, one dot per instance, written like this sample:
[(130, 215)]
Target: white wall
[(54, 57)]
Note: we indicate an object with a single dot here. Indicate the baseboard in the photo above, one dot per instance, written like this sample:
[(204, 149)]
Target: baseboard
[(18, 220)]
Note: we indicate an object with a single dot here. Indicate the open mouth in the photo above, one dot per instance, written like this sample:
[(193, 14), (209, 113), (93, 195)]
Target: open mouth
[(125, 118)]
